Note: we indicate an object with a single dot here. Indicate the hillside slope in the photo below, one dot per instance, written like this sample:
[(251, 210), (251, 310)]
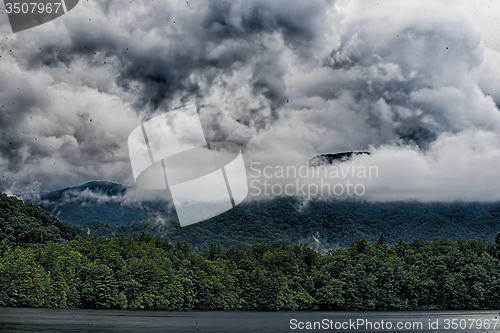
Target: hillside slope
[(92, 201), (25, 223), (324, 224)]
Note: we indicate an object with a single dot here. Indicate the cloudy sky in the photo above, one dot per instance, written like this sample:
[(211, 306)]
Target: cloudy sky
[(416, 83)]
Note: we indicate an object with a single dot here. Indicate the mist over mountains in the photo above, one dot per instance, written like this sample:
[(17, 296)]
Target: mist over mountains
[(92, 201), (100, 209), (285, 82)]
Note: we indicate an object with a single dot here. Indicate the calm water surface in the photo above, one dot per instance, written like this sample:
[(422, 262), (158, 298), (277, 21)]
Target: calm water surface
[(80, 320)]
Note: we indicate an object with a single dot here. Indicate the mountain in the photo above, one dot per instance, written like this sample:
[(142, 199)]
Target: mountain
[(322, 223), (92, 201), (97, 187), (26, 223), (330, 158)]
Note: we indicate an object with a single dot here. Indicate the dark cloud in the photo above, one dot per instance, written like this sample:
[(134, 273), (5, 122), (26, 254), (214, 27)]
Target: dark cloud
[(286, 80)]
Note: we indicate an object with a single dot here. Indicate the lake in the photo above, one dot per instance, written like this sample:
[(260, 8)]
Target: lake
[(82, 320)]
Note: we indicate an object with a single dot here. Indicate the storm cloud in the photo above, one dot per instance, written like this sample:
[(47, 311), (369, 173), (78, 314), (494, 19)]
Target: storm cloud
[(414, 83)]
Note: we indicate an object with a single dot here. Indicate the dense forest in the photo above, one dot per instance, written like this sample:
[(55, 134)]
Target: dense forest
[(26, 223), (151, 273), (48, 263), (335, 223)]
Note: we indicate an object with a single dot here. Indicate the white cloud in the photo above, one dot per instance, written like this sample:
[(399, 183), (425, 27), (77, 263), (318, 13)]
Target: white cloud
[(414, 82)]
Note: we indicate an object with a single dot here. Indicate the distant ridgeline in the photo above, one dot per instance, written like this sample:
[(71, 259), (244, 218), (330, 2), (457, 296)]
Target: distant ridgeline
[(48, 263), (330, 158), (324, 224), (92, 201)]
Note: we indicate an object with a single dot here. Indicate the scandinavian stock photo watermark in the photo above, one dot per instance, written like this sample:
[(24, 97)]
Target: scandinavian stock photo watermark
[(461, 323), (170, 152), (342, 180)]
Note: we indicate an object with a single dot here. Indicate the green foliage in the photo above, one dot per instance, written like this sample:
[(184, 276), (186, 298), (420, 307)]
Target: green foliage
[(151, 273), (63, 267), (99, 286), (26, 223), (337, 223)]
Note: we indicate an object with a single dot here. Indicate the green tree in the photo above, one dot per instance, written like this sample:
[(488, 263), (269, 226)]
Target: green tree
[(99, 287)]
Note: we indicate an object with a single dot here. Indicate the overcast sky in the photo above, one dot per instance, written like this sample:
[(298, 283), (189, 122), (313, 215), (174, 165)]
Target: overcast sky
[(416, 83)]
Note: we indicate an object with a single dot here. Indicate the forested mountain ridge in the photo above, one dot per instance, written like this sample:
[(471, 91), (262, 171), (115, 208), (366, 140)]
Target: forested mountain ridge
[(328, 223), (95, 200), (334, 223), (25, 223), (331, 223)]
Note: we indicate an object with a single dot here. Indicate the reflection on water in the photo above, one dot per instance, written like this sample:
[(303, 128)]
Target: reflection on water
[(80, 320)]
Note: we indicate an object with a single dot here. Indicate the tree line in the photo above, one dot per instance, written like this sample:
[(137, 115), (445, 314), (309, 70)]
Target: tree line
[(151, 273)]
